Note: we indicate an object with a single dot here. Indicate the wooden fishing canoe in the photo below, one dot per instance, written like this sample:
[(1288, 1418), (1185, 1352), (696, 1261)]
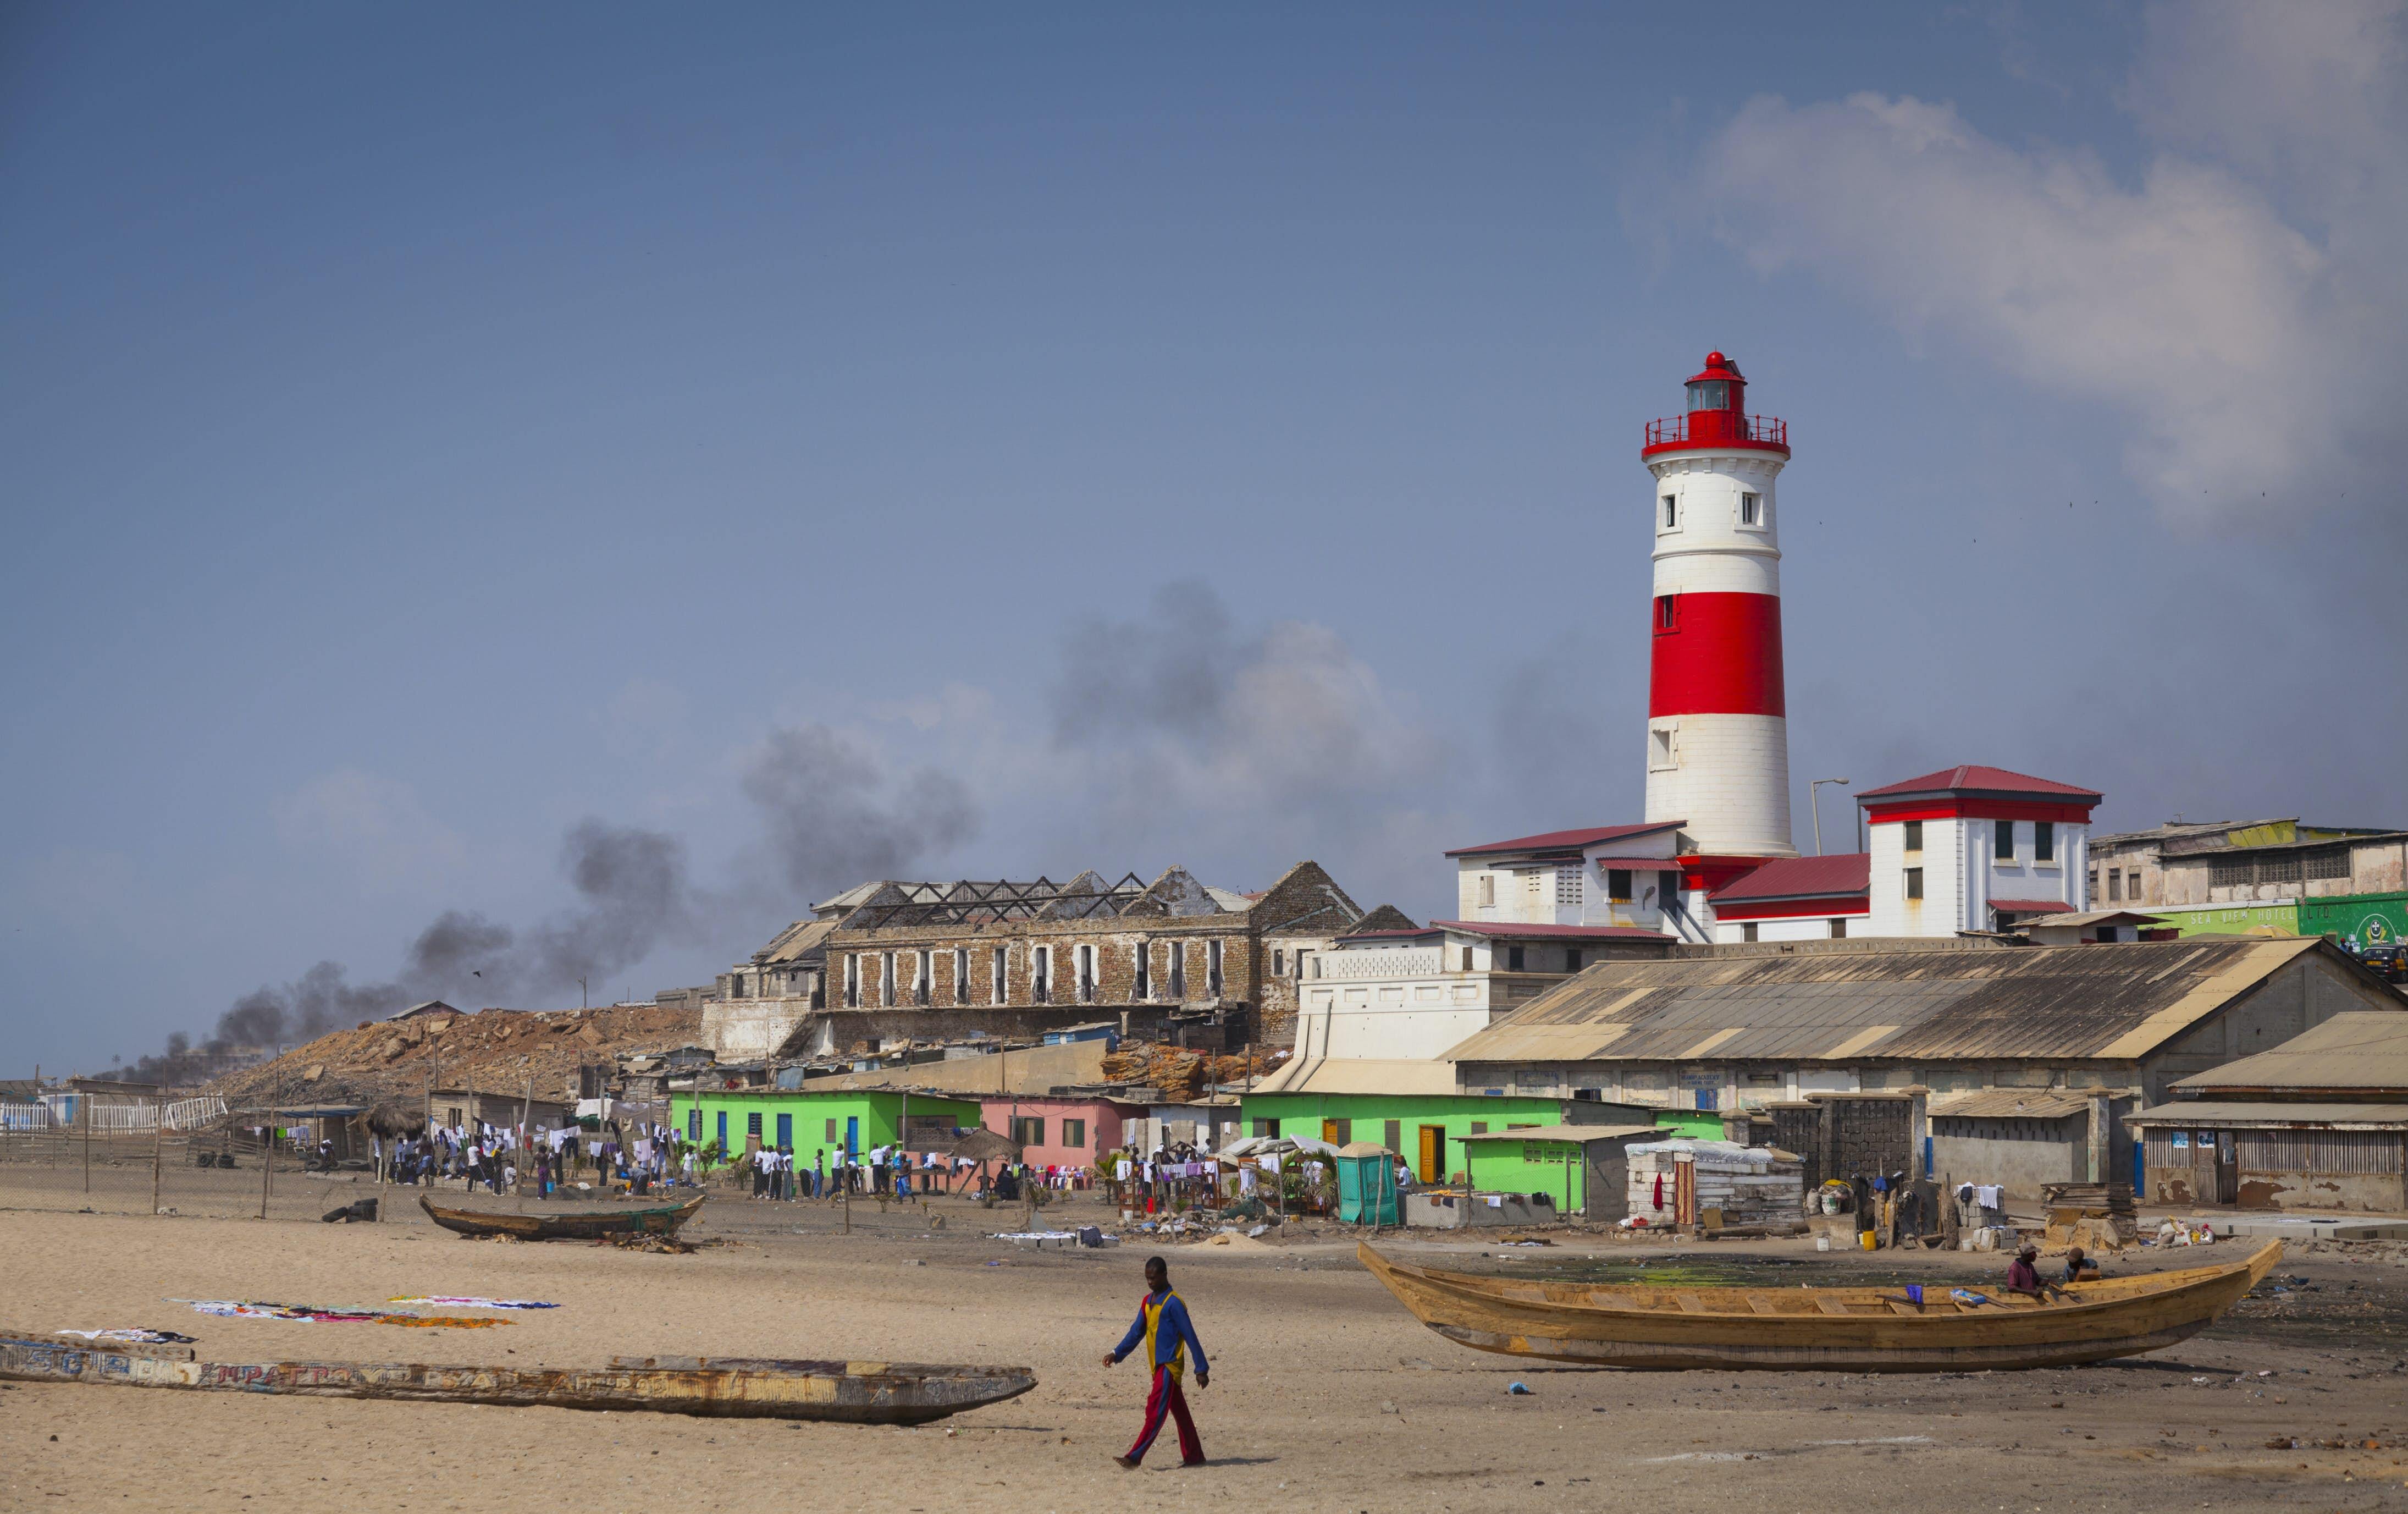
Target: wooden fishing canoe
[(1818, 1329), (857, 1393), (592, 1225)]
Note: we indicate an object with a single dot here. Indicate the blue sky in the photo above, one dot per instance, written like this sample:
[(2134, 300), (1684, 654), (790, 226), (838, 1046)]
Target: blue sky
[(609, 474)]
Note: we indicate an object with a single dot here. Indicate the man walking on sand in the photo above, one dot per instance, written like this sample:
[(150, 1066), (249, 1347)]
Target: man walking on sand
[(1162, 1324)]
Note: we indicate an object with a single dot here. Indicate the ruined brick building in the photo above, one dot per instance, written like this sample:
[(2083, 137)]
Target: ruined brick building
[(893, 961)]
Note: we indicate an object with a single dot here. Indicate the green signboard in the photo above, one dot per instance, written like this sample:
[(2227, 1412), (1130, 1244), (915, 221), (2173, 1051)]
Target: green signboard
[(2356, 920), (2230, 920)]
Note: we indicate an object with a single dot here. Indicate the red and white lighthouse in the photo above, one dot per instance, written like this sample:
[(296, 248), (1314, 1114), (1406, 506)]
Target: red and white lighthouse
[(1717, 728)]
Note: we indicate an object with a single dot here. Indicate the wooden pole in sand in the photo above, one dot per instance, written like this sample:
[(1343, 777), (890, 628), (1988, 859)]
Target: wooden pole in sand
[(526, 1120), (267, 1151), (158, 1151), (83, 1109)]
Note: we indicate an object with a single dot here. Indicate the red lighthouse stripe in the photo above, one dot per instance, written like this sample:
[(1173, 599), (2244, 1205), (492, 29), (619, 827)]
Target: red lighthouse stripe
[(1716, 654)]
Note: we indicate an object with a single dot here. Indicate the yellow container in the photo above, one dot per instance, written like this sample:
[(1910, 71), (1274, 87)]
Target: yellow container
[(1869, 1239)]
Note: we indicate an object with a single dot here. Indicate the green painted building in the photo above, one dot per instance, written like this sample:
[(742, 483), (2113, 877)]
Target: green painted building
[(812, 1121), (1583, 1169), (1414, 1108)]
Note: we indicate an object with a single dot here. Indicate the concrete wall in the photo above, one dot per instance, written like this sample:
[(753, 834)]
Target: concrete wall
[(2018, 1155), (748, 1029)]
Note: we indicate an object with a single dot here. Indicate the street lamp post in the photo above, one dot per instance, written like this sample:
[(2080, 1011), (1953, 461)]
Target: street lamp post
[(1815, 801)]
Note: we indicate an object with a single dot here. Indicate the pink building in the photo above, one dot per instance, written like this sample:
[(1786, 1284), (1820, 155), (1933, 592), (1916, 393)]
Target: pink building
[(1059, 1130)]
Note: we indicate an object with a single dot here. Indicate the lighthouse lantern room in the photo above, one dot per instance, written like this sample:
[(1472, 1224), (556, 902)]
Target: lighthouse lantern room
[(1717, 727)]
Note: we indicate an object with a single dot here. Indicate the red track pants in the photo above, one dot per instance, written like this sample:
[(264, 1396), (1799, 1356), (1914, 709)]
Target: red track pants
[(1167, 1399)]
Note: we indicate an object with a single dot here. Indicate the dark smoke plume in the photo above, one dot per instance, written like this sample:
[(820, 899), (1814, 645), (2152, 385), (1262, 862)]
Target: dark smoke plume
[(632, 895), (833, 819), (829, 826)]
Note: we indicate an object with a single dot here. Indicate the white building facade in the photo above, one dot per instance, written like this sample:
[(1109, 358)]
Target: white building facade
[(1975, 848)]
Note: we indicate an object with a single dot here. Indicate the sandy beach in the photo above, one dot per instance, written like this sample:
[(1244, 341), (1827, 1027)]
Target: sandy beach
[(1326, 1394)]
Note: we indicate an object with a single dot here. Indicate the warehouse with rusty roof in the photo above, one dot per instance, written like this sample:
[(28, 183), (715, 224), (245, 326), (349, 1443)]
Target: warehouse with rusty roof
[(1726, 1026)]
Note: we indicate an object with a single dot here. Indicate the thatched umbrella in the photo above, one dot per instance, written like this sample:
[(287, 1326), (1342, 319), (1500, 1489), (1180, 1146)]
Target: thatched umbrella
[(393, 1120), (982, 1145)]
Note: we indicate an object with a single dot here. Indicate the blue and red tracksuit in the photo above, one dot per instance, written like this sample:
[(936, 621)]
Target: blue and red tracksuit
[(1163, 1325)]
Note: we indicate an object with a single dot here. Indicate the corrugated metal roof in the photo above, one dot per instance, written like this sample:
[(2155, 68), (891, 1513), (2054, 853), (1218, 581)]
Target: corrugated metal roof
[(1579, 1134), (2017, 1103), (2356, 1049), (2222, 1112), (1360, 1074), (1888, 998), (798, 940), (1514, 930), (2093, 917)]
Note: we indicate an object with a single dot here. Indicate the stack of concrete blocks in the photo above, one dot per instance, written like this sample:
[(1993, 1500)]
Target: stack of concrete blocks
[(1749, 1185)]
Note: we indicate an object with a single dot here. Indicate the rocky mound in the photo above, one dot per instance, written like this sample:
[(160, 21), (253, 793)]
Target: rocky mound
[(500, 1048)]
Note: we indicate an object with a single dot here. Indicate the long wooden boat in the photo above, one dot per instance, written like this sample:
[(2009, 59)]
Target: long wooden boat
[(1819, 1329), (857, 1393), (592, 1225)]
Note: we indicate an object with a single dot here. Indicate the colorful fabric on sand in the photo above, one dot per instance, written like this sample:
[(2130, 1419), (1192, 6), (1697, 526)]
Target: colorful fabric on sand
[(475, 1302), (134, 1333), (310, 1313)]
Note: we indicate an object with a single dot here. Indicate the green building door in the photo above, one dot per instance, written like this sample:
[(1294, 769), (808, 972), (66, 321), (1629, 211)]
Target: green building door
[(722, 1133), (785, 1131), (853, 1136)]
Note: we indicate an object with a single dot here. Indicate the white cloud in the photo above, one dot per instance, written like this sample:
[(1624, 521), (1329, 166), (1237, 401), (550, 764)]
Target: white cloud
[(374, 825), (2218, 305)]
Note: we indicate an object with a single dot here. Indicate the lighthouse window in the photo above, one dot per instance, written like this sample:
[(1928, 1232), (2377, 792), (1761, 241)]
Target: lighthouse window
[(2043, 841), (1915, 883), (1714, 394), (1915, 835), (1749, 506), (1667, 613), (1671, 512), (2002, 840), (1659, 747)]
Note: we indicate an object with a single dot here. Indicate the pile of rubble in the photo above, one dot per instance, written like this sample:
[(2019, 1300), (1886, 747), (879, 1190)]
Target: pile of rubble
[(498, 1048), (1184, 1075)]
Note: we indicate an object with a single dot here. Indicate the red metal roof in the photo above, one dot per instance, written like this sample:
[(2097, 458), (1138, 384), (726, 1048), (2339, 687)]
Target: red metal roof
[(1802, 877), (1973, 778), (1566, 841), (2029, 906), (1511, 929)]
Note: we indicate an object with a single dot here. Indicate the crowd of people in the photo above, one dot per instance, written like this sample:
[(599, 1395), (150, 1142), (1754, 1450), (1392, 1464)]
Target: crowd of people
[(481, 1155)]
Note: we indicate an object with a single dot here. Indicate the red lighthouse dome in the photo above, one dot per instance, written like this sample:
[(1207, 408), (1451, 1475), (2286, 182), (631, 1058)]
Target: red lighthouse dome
[(1718, 416)]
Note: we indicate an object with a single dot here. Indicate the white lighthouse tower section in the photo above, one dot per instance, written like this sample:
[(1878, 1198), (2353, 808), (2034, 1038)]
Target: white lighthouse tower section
[(1722, 770)]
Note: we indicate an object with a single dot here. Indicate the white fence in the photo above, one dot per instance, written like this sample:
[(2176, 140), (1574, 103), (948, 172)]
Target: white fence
[(65, 1112)]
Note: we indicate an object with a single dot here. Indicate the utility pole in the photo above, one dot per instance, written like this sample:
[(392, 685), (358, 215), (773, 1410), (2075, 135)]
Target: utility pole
[(267, 1145), (1815, 802), (526, 1131)]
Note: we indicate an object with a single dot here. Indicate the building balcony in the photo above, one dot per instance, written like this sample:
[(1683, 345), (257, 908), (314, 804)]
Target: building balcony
[(1716, 428)]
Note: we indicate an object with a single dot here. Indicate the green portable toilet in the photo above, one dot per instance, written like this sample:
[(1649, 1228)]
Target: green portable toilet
[(1366, 1185)]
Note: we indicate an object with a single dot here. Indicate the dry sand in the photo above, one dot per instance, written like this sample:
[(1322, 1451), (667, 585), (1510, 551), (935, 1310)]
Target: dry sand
[(1326, 1394)]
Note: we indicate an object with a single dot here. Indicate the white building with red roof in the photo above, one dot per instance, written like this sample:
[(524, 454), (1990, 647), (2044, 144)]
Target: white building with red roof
[(1975, 848)]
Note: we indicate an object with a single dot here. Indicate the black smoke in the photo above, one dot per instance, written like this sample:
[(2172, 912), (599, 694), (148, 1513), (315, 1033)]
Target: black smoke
[(833, 819), (832, 816)]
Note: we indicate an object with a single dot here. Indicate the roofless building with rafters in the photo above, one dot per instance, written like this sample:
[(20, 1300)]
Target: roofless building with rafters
[(889, 963)]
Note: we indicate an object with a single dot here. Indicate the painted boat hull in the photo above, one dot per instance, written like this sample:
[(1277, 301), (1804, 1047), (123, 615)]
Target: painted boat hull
[(856, 1392), (1802, 1330), (662, 1220)]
